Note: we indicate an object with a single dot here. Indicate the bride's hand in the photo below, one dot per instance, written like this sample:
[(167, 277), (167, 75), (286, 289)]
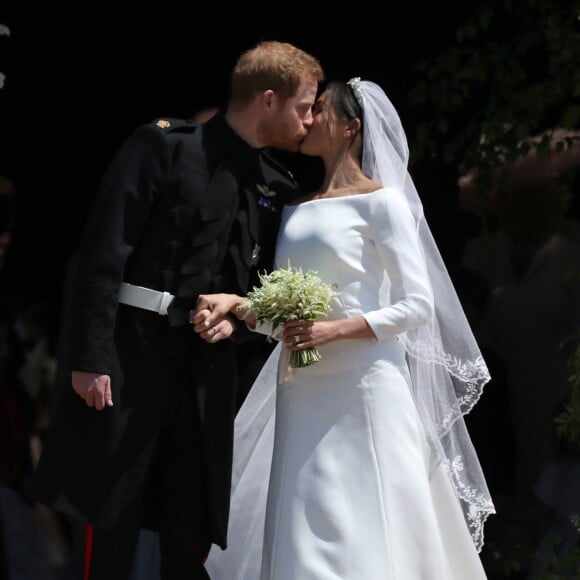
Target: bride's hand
[(211, 318), (221, 330), (300, 334)]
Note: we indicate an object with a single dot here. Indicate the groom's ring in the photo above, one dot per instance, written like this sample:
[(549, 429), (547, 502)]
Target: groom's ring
[(213, 329), (296, 339)]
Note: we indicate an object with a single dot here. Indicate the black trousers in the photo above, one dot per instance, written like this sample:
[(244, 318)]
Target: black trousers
[(176, 493)]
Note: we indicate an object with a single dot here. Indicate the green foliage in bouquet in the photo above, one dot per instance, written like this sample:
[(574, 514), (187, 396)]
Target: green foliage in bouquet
[(291, 294)]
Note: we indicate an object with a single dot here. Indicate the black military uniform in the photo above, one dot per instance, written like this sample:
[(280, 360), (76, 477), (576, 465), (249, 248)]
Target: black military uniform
[(185, 209)]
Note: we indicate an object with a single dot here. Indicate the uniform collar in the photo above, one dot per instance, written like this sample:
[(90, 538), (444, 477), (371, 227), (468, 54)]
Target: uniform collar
[(225, 142)]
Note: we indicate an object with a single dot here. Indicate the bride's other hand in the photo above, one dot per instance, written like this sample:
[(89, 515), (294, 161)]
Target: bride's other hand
[(221, 330), (211, 308), (300, 334), (212, 319)]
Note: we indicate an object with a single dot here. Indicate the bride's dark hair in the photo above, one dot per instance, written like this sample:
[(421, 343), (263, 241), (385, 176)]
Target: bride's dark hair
[(342, 99)]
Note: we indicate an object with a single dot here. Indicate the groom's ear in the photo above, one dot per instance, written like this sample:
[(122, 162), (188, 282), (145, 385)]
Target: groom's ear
[(268, 99)]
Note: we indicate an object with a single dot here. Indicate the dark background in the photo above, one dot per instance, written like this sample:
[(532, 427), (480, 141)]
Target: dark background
[(80, 80)]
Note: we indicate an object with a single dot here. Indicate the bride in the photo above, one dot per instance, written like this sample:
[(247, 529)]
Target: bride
[(359, 466)]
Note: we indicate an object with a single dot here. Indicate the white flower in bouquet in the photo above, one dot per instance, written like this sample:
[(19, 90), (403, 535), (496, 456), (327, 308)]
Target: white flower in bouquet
[(290, 294)]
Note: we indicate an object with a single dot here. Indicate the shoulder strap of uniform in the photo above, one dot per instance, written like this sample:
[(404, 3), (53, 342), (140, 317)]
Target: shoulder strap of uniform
[(174, 125)]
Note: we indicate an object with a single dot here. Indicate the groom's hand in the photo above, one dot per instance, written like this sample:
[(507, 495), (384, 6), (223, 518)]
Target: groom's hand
[(211, 318), (93, 388)]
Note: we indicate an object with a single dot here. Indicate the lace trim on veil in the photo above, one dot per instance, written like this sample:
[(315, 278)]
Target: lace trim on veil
[(473, 375), (480, 506)]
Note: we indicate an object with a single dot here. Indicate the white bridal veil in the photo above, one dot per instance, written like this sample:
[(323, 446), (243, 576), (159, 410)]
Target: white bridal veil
[(447, 370)]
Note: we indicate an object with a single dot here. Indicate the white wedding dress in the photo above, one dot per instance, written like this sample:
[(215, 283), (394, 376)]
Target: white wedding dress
[(354, 492)]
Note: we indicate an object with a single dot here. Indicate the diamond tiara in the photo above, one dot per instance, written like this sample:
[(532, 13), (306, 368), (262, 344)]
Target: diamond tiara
[(354, 84)]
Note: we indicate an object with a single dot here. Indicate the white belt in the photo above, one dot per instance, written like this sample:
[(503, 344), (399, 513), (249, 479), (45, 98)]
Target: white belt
[(145, 298)]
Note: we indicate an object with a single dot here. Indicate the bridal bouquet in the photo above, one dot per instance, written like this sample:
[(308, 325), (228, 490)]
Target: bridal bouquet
[(290, 294)]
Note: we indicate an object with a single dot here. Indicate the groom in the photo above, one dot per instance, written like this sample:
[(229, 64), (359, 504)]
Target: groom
[(142, 430)]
